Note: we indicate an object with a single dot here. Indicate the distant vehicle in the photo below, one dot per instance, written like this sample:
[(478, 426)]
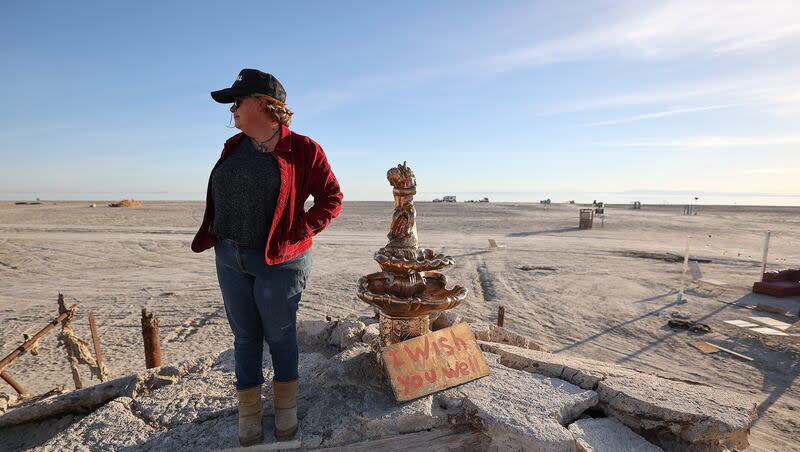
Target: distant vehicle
[(484, 200), (437, 199), (449, 199)]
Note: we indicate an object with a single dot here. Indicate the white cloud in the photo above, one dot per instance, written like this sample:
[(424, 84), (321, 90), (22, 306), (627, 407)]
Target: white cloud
[(656, 31), (666, 30), (708, 142), (656, 115)]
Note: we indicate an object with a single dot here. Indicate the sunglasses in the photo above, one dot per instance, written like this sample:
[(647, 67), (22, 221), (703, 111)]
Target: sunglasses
[(237, 101)]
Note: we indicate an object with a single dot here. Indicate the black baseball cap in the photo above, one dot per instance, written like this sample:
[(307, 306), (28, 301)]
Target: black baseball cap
[(251, 81)]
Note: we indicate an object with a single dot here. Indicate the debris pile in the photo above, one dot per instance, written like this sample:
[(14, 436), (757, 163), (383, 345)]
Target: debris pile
[(126, 203), (532, 400)]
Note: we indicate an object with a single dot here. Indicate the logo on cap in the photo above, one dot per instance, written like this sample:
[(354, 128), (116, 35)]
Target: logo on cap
[(239, 78)]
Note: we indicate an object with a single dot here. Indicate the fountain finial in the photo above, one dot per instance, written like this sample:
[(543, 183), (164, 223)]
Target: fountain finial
[(403, 231)]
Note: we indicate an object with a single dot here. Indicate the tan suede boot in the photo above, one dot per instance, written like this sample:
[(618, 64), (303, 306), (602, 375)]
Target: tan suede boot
[(250, 431), (285, 409)]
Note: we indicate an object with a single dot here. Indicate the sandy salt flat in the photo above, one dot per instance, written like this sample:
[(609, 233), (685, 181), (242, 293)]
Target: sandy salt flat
[(593, 293)]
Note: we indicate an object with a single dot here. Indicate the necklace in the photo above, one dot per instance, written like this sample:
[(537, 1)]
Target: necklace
[(261, 146)]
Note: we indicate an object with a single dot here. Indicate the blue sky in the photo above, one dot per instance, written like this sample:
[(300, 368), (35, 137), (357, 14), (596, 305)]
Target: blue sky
[(667, 96)]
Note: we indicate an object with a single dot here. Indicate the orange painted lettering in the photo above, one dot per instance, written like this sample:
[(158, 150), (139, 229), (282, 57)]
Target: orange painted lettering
[(458, 341), (418, 352), (443, 343), (449, 372), (396, 361), (430, 375)]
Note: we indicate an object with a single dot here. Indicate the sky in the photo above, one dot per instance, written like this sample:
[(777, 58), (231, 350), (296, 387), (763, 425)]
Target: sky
[(508, 98)]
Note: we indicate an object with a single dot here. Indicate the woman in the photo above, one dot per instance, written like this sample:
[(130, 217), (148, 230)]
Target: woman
[(261, 235)]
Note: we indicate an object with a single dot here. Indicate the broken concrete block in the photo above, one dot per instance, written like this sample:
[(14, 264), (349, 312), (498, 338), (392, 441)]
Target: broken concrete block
[(367, 320), (445, 319), (585, 373), (608, 435), (371, 333), (680, 413), (346, 333), (698, 415), (314, 332), (492, 333), (519, 411)]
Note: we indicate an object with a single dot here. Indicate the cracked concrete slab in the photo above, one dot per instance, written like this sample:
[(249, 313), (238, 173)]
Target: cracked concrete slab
[(677, 414), (608, 435), (521, 410)]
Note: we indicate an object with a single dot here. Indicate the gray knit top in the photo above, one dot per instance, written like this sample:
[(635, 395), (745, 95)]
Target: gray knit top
[(245, 188)]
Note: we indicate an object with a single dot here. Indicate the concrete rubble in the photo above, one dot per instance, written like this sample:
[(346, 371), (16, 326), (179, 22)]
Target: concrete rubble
[(532, 401), (607, 435)]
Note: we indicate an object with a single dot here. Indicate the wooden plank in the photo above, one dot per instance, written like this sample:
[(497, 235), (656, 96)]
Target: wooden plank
[(438, 360), (768, 331), (447, 438), (705, 347), (738, 355), (741, 323), (772, 323)]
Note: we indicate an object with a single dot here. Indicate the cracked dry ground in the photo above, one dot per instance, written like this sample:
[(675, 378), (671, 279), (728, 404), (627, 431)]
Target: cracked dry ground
[(598, 302)]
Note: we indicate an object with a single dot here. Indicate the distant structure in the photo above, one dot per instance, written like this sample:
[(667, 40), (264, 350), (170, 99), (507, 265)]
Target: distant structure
[(449, 199), (484, 200), (637, 205)]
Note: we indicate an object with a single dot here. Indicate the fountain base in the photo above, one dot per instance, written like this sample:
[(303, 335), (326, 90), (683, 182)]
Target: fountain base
[(399, 329)]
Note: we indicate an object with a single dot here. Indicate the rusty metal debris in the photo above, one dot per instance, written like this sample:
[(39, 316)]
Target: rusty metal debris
[(13, 383), (152, 343), (33, 342), (77, 351)]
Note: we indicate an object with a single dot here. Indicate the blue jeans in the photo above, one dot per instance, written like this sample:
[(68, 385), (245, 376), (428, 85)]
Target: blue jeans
[(261, 303)]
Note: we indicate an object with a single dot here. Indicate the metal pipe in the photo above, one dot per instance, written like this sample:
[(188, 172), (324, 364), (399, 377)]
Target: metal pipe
[(30, 343), (17, 387), (152, 343)]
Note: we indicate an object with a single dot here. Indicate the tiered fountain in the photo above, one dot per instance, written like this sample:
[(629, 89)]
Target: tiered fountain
[(408, 289)]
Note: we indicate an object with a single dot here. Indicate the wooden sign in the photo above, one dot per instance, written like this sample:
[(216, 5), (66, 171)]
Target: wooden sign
[(438, 360)]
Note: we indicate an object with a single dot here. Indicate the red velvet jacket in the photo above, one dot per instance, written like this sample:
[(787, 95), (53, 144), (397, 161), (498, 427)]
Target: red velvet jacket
[(304, 171)]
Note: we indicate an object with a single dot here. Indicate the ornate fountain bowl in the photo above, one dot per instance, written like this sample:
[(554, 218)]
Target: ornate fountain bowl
[(434, 298), (411, 260)]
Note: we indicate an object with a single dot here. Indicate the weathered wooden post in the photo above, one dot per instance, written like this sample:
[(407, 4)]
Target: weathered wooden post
[(152, 342), (97, 353), (73, 359), (501, 315)]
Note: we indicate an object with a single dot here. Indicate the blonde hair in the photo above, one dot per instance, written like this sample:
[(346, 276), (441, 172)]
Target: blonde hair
[(276, 108)]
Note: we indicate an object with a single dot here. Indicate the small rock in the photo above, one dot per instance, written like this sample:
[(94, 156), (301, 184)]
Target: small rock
[(314, 332), (444, 320), (371, 333), (346, 333), (6, 400)]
